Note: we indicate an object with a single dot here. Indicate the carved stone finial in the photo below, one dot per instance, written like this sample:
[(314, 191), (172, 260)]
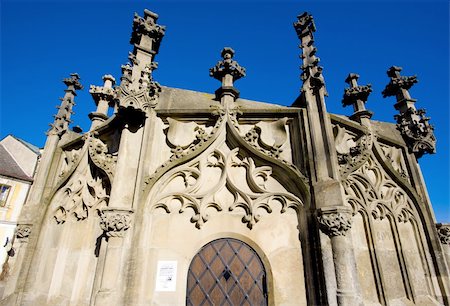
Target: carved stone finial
[(115, 222), (227, 71), (411, 122), (147, 35), (227, 66), (312, 73), (62, 118), (444, 232), (335, 221), (357, 95), (73, 83)]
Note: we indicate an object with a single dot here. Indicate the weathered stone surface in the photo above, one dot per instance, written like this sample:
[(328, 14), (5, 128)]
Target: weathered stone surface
[(334, 207)]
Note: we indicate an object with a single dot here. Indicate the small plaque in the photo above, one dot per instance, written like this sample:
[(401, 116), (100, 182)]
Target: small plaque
[(166, 276)]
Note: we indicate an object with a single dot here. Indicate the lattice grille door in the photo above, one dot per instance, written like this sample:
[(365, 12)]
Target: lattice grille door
[(226, 272)]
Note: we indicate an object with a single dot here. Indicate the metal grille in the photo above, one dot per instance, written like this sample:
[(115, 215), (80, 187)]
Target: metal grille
[(226, 272)]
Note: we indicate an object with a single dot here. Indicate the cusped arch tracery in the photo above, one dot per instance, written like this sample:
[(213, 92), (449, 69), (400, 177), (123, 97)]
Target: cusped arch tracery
[(228, 177), (372, 191), (84, 182)]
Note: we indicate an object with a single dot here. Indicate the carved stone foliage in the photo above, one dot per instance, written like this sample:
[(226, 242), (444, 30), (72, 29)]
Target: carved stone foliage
[(352, 150), (98, 153), (115, 222), (141, 98), (269, 136), (227, 66), (147, 26), (371, 190), (85, 180), (335, 222), (223, 180), (411, 122), (444, 233), (417, 132), (394, 156)]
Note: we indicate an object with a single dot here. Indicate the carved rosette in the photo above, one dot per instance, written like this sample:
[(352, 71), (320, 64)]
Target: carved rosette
[(115, 222), (444, 233), (23, 231), (335, 221)]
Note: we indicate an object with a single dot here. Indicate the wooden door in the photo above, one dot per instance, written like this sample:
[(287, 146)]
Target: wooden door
[(226, 272)]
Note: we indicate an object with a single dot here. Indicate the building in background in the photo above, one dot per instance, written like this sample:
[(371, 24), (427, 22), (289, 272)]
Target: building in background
[(182, 197), (18, 160)]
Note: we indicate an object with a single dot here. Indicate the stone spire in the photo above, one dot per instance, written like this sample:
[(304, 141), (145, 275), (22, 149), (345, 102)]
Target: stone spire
[(104, 98), (357, 95), (227, 71), (311, 71), (137, 89), (411, 122), (62, 118)]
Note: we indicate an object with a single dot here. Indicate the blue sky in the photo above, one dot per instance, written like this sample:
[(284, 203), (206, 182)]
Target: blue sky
[(43, 41)]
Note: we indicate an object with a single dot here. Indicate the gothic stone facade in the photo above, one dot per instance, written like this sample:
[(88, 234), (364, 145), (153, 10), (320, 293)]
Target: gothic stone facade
[(183, 197)]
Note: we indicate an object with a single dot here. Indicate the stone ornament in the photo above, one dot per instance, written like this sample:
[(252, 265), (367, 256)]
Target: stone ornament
[(23, 231), (62, 118), (371, 190), (335, 221), (352, 150), (205, 188), (357, 96), (146, 26), (312, 72), (444, 233), (98, 153), (115, 222), (227, 66), (411, 122)]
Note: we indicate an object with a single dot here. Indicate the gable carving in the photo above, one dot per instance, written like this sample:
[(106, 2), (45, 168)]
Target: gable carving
[(352, 149), (84, 181), (189, 139), (394, 156), (224, 180)]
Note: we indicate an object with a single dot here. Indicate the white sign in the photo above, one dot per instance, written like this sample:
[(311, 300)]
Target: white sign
[(166, 276)]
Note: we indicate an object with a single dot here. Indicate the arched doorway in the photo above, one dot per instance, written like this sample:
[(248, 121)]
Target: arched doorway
[(226, 271)]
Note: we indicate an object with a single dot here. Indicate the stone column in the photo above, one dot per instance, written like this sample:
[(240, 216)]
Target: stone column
[(334, 218), (336, 222), (16, 257), (104, 98), (114, 222)]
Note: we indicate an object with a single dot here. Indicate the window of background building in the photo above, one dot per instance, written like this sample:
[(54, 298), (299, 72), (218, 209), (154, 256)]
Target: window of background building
[(4, 191)]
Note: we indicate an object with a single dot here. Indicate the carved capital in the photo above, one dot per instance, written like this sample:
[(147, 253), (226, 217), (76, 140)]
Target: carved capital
[(444, 232), (115, 221), (335, 221), (23, 231)]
